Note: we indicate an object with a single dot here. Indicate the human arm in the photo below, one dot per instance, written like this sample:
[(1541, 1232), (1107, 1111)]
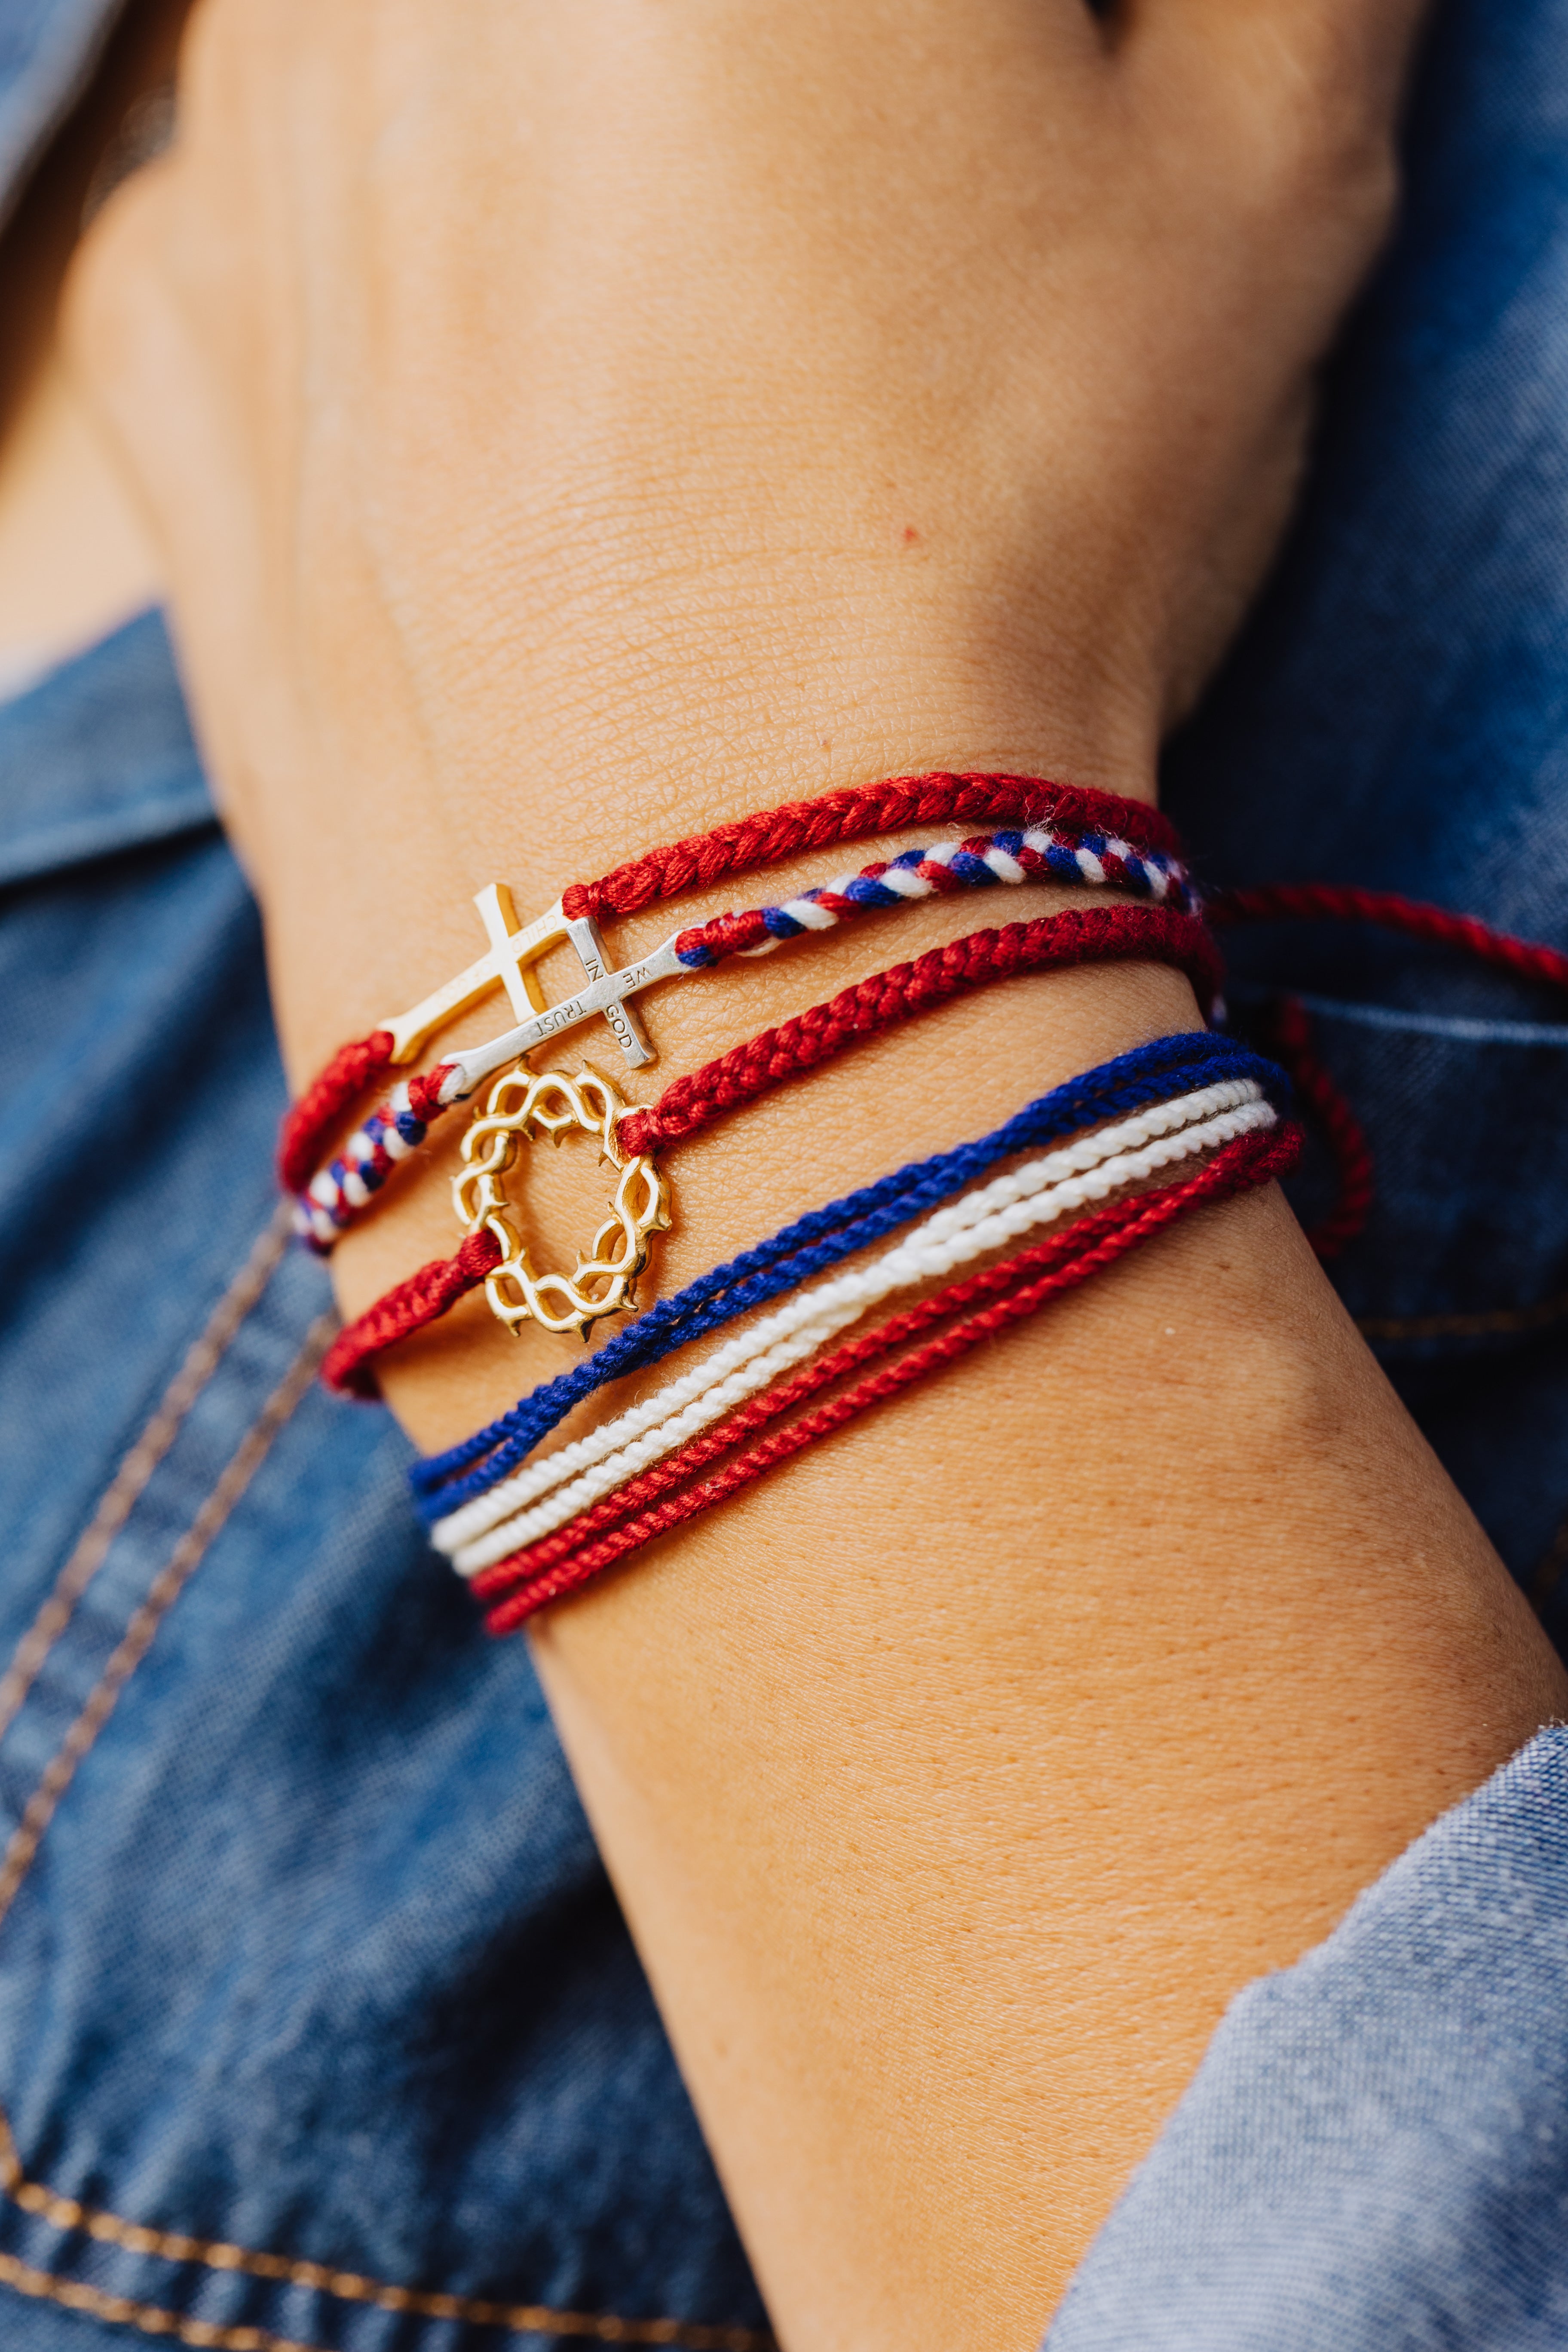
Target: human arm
[(544, 484)]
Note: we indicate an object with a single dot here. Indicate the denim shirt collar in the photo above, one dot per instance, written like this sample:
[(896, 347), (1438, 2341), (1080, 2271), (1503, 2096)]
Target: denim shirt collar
[(48, 52), (98, 757)]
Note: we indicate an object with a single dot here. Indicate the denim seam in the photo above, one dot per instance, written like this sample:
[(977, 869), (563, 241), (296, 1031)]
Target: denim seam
[(150, 2317), (161, 1595), (66, 2213), (154, 2319), (131, 1479), (1464, 1327)]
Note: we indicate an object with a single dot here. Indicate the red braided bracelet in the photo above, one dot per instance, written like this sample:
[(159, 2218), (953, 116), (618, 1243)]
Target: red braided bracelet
[(548, 1570), (856, 812), (865, 1009), (1050, 942)]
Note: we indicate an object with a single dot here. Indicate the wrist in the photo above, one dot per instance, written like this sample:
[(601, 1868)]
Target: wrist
[(901, 1089), (609, 732)]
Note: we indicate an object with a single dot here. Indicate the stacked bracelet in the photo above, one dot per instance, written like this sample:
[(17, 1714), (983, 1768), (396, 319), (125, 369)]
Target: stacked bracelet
[(1004, 1294), (748, 1072), (526, 1530), (1042, 1191), (1076, 836), (1150, 1075), (398, 1126)]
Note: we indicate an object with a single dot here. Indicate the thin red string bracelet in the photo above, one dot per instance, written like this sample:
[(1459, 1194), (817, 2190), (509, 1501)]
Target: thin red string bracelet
[(1291, 1025), (1291, 1041), (1066, 1247), (854, 812), (1313, 901), (528, 1581), (867, 1008)]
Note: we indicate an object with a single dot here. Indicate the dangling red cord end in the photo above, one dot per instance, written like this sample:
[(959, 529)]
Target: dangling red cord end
[(1292, 1042)]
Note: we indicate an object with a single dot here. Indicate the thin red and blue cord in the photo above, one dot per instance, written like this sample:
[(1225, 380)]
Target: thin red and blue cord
[(824, 1238)]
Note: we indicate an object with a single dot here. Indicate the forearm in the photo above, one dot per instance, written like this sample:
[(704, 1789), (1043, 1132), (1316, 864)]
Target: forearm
[(956, 1775)]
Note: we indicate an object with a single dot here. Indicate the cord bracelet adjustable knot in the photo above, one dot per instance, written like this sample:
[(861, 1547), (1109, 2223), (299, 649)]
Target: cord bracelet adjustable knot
[(1043, 832)]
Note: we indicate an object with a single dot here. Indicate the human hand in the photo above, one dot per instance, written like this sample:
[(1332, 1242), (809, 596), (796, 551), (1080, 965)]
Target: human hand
[(547, 409), (568, 427)]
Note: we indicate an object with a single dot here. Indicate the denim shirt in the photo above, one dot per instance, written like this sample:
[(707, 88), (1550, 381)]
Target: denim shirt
[(319, 2029), (317, 2013)]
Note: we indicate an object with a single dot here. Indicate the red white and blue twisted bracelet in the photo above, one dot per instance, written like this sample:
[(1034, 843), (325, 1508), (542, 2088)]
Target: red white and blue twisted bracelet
[(691, 1103), (1075, 836)]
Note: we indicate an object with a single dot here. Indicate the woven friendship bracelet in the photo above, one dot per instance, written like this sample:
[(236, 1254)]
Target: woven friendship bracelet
[(1041, 1192), (1093, 935), (1040, 854), (1016, 1287), (398, 1125), (823, 1237), (695, 861), (528, 1534), (854, 812)]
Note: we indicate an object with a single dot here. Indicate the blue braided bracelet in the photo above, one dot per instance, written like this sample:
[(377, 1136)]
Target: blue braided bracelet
[(1148, 1073)]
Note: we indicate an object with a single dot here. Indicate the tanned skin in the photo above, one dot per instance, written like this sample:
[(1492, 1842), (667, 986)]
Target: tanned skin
[(563, 426)]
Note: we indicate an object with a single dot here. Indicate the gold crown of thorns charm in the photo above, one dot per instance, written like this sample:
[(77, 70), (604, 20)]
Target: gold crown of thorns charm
[(525, 1104)]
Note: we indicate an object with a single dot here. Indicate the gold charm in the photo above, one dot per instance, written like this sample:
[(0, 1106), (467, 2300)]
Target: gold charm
[(515, 948), (527, 1104)]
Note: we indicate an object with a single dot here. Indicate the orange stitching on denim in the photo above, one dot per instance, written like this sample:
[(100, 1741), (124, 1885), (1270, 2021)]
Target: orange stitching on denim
[(523, 2319), (43, 2287), (130, 1481), (162, 1593), (518, 2318), (1464, 1327), (152, 2320), (66, 2213)]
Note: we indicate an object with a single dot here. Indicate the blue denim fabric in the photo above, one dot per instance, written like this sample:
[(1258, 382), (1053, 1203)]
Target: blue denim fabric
[(316, 2011), (47, 51), (305, 1948), (1396, 715), (1375, 2151)]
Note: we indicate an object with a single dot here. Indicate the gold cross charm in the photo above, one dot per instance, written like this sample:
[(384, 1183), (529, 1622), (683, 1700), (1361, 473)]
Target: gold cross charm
[(514, 950)]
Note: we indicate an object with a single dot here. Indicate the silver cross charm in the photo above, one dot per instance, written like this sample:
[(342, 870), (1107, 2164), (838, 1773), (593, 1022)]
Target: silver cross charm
[(606, 993), (514, 952)]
